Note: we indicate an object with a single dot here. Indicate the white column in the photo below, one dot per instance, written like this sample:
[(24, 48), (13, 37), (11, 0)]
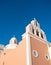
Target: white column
[(28, 50), (49, 50)]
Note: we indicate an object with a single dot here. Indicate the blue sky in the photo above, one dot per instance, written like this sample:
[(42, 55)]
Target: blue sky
[(16, 14)]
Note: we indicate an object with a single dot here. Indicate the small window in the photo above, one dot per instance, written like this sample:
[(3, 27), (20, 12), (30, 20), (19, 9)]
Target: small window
[(41, 35), (47, 57), (37, 33), (33, 31), (36, 23), (35, 53), (15, 41)]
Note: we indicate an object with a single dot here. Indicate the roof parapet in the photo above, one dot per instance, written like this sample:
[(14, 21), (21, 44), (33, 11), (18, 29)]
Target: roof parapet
[(34, 28)]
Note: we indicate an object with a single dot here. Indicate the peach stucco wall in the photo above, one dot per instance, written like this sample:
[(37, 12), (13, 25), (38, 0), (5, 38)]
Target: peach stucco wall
[(16, 56), (42, 49)]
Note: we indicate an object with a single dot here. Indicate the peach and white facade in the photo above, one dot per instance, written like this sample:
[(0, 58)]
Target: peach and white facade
[(33, 49)]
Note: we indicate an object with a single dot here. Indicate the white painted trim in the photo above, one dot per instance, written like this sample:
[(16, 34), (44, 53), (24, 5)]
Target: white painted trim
[(36, 37), (49, 51), (28, 50), (11, 46)]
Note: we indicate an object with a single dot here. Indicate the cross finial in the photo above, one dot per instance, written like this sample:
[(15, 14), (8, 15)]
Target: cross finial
[(35, 19)]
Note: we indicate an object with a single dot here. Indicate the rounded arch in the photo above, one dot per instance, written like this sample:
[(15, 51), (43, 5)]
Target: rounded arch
[(43, 36), (37, 32)]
